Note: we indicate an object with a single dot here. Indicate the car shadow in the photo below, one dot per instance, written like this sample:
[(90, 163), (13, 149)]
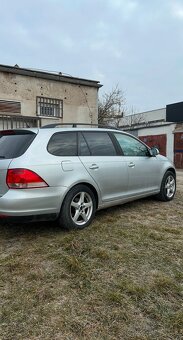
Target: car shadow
[(11, 230), (35, 229)]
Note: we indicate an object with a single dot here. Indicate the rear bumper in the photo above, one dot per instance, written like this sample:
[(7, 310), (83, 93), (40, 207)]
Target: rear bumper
[(32, 202)]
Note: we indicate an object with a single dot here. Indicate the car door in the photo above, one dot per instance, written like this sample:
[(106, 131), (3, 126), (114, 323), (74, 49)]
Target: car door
[(144, 171), (102, 161)]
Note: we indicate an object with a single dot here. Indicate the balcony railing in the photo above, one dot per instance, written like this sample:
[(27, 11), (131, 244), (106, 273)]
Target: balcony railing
[(13, 121)]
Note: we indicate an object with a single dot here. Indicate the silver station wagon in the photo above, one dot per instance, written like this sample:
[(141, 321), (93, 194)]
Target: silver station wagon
[(67, 173)]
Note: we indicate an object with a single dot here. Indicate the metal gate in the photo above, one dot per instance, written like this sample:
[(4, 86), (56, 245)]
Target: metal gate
[(178, 150), (158, 141)]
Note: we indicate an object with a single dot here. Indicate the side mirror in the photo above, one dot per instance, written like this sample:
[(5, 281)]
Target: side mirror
[(154, 152)]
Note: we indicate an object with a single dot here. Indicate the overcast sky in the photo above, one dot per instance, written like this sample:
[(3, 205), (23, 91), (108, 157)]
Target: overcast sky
[(137, 44)]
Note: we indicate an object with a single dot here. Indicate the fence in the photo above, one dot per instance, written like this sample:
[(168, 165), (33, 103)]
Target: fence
[(13, 122)]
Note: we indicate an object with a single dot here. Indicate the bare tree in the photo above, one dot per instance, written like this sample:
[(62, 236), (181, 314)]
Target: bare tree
[(132, 119), (111, 107), (136, 119)]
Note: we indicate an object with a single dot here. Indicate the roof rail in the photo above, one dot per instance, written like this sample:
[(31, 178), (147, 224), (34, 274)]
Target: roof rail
[(75, 125)]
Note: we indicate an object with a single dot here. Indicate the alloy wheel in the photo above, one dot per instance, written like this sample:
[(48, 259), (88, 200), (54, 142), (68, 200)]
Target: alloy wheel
[(81, 208), (170, 186)]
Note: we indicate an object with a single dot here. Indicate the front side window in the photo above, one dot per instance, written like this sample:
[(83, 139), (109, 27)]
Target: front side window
[(49, 107), (99, 143), (131, 146), (63, 144)]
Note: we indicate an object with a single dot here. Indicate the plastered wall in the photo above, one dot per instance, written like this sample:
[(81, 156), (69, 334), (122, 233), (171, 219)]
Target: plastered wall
[(80, 103)]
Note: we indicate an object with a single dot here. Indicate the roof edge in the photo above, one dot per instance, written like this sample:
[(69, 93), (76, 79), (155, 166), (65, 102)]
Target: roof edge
[(49, 75)]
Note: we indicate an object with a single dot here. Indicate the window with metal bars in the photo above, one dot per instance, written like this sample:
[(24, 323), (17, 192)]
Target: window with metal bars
[(49, 107)]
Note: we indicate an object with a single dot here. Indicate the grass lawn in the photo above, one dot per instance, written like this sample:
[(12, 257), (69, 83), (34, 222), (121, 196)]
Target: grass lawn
[(121, 278)]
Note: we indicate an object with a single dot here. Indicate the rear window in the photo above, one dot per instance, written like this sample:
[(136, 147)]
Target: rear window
[(14, 143)]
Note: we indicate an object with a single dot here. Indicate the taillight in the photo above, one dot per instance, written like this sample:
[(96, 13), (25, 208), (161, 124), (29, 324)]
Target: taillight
[(24, 179)]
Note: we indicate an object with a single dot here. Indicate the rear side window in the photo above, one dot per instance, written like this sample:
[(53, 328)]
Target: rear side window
[(63, 144), (83, 147), (14, 143), (99, 143)]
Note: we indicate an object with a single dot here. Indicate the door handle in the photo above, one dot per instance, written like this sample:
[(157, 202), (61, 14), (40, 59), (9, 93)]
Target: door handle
[(131, 165), (94, 167)]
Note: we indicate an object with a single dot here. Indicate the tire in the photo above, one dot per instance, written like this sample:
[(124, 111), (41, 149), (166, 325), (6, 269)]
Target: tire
[(168, 187), (78, 208)]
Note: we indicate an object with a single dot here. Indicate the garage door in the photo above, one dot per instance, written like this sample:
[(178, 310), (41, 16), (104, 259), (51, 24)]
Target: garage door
[(178, 150), (158, 141)]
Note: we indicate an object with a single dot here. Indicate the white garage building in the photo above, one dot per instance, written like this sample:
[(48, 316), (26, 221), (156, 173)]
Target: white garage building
[(162, 128)]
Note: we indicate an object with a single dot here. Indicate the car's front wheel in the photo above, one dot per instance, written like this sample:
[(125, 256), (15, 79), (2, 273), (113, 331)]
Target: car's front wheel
[(168, 187), (78, 208)]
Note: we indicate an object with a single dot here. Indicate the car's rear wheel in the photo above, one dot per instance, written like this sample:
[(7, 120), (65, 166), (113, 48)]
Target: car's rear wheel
[(168, 187), (78, 208)]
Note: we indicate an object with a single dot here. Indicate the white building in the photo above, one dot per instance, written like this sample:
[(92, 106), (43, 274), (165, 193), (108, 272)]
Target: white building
[(162, 128)]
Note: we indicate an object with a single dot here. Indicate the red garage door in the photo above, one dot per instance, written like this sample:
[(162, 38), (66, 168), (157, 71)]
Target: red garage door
[(158, 141), (178, 150)]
